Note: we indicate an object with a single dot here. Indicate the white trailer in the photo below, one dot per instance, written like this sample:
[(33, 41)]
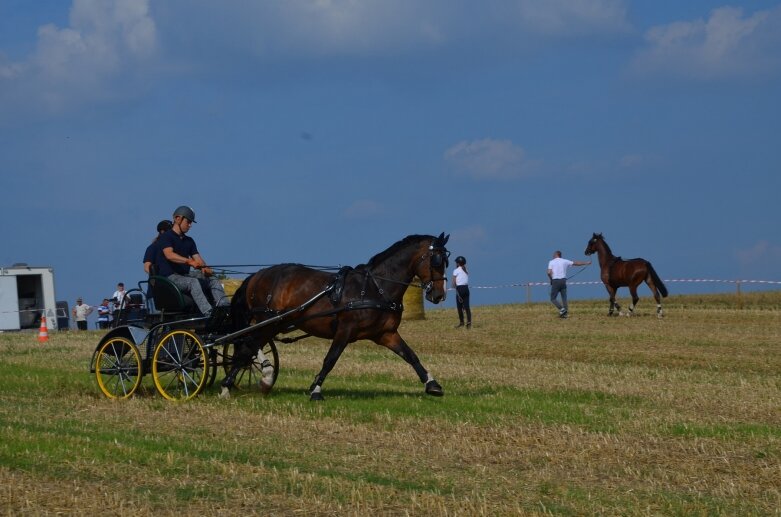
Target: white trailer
[(27, 292)]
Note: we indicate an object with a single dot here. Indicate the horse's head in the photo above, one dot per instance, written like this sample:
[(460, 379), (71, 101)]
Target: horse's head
[(431, 266), (591, 248)]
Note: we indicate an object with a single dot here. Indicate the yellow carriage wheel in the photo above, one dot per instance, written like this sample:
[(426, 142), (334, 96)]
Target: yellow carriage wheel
[(179, 365), (118, 368)]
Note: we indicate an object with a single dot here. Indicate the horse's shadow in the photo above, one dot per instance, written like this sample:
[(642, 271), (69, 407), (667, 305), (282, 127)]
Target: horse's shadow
[(353, 394)]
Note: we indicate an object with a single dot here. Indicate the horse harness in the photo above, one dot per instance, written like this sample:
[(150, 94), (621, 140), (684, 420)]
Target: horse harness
[(335, 290)]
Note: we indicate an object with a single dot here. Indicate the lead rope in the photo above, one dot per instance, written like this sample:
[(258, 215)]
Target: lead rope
[(579, 272)]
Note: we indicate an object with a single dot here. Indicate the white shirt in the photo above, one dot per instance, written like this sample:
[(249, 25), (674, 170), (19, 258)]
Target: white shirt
[(558, 267), (119, 296), (82, 311), (461, 277)]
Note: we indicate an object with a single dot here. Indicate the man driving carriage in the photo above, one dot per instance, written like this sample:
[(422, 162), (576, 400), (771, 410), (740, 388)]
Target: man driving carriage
[(178, 254)]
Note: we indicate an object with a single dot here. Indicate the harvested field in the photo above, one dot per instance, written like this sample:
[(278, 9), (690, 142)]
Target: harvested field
[(591, 415)]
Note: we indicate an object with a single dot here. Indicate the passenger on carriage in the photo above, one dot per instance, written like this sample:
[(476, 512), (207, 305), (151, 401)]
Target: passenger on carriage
[(178, 253), (150, 255)]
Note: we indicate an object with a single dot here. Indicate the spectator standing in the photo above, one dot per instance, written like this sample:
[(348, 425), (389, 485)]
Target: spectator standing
[(104, 314), (80, 312), (557, 273), (119, 297), (461, 284)]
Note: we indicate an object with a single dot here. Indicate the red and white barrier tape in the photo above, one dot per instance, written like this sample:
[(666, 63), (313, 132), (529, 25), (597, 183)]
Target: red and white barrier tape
[(673, 280)]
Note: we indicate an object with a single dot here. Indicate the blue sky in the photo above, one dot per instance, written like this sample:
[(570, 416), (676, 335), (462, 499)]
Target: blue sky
[(322, 132)]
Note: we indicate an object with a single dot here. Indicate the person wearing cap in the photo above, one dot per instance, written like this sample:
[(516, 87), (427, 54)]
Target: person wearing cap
[(178, 254), (461, 284), (150, 255), (80, 312)]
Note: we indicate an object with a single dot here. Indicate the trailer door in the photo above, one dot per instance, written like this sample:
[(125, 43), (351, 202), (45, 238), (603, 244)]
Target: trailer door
[(9, 303)]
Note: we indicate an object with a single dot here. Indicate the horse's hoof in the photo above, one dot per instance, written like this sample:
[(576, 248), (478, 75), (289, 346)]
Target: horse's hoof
[(225, 393), (433, 388), (265, 387), (316, 396)]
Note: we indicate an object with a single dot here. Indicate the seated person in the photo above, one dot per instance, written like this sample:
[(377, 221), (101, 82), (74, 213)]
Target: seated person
[(178, 253), (150, 255)]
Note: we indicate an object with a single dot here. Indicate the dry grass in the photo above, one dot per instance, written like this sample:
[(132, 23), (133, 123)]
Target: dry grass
[(585, 416)]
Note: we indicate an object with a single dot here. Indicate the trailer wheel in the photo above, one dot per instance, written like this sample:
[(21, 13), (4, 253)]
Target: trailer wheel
[(118, 368), (179, 365)]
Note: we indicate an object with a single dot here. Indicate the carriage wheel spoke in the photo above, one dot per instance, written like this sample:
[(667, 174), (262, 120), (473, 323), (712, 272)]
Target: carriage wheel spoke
[(179, 365)]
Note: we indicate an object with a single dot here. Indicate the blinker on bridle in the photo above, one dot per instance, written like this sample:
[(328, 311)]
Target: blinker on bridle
[(439, 255)]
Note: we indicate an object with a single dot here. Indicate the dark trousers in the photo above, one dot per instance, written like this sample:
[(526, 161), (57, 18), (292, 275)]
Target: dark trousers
[(81, 325), (462, 303), (559, 286)]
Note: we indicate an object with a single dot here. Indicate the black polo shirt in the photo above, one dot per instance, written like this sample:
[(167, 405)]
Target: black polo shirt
[(182, 245)]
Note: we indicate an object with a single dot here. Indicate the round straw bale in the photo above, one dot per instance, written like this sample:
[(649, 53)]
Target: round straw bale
[(413, 302), (230, 285)]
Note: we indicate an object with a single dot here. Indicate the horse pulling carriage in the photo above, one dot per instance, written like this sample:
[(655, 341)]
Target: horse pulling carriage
[(184, 351)]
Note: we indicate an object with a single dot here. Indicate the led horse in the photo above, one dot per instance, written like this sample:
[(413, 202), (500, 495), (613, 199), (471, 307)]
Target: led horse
[(625, 273)]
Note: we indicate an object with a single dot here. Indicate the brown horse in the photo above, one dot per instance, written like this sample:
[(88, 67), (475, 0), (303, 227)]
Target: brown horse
[(364, 302), (625, 273)]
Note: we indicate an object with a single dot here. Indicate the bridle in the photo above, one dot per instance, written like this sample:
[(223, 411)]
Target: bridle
[(438, 257)]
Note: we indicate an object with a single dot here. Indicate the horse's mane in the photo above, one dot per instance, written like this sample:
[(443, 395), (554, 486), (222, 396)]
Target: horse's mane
[(604, 243), (379, 257)]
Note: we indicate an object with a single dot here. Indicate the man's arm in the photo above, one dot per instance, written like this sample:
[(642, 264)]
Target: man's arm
[(580, 263), (201, 264), (174, 257)]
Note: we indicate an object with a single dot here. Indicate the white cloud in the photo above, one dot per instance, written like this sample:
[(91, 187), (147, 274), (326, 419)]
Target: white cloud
[(469, 235), (363, 208), (105, 41), (727, 44), (630, 161), (379, 28), (760, 259), (565, 18), (488, 159), (108, 45)]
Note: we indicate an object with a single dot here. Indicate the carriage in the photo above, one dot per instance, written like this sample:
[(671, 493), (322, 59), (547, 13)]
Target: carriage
[(184, 351), (180, 348)]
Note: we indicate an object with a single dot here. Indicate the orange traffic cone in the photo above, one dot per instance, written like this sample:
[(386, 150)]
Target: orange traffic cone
[(43, 333)]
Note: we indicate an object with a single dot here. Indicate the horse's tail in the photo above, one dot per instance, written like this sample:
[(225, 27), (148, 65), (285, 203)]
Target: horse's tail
[(657, 281), (240, 313)]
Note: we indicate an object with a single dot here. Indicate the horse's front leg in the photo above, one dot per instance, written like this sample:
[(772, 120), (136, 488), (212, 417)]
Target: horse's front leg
[(613, 304), (394, 342)]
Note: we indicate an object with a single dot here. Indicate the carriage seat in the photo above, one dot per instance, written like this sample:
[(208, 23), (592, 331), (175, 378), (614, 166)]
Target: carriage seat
[(168, 298)]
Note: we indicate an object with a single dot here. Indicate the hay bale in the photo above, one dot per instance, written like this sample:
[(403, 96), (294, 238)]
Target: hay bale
[(413, 302), (231, 285)]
